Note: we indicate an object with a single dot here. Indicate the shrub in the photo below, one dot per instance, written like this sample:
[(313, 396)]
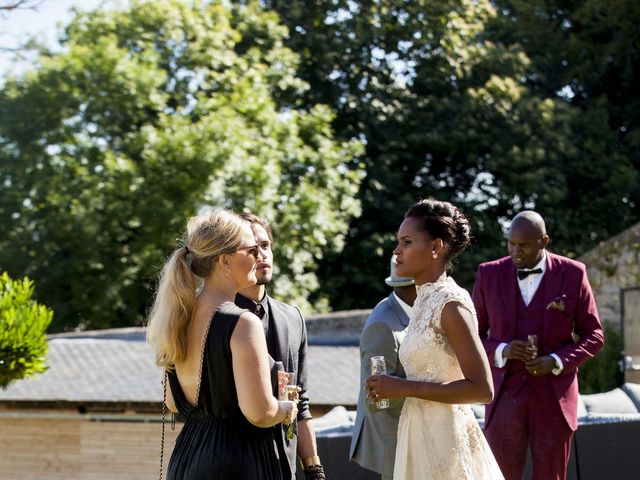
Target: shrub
[(604, 372), (23, 323)]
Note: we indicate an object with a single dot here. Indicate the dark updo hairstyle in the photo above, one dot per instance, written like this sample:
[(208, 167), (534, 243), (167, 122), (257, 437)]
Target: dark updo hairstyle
[(445, 221)]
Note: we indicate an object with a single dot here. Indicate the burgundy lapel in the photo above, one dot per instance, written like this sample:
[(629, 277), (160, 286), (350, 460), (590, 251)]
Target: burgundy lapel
[(552, 287), (508, 289)]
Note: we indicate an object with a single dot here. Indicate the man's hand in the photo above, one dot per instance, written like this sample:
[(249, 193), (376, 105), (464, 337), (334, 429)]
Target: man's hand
[(519, 350), (541, 365)]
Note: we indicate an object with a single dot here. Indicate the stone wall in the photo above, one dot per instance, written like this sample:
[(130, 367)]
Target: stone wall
[(613, 266), (56, 446)]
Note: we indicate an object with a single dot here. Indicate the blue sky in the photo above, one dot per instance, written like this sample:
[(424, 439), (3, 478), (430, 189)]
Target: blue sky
[(44, 22)]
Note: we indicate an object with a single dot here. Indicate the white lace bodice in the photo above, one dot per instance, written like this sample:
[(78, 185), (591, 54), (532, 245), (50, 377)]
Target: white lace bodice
[(426, 353)]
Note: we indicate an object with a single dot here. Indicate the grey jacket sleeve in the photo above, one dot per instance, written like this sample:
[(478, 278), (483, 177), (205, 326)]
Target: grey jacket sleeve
[(303, 405)]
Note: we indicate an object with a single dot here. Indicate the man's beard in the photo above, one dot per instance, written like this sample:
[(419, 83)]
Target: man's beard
[(264, 280)]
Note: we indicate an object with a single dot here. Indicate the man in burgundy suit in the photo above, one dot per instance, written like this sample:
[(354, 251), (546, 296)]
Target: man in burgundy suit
[(533, 292)]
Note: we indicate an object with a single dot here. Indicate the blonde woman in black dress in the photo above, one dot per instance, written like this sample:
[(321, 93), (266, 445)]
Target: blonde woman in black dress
[(216, 355)]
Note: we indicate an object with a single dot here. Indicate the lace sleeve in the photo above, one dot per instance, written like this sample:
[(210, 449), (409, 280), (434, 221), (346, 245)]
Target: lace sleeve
[(453, 294)]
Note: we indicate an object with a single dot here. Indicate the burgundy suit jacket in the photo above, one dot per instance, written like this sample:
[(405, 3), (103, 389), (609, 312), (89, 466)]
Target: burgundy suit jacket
[(573, 333)]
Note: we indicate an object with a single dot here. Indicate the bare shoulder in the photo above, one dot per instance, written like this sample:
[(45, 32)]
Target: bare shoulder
[(248, 326), (456, 315)]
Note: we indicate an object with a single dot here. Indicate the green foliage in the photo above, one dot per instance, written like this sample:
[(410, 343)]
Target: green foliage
[(455, 100), (150, 114), (153, 112), (23, 323), (603, 372), (593, 68)]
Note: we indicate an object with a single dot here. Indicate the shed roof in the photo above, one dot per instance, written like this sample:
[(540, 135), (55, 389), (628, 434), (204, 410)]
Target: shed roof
[(117, 366)]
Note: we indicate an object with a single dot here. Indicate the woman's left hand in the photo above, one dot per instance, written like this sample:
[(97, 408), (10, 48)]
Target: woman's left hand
[(382, 386)]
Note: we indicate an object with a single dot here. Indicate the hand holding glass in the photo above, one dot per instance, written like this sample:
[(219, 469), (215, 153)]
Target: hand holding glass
[(288, 390), (533, 344), (379, 367)]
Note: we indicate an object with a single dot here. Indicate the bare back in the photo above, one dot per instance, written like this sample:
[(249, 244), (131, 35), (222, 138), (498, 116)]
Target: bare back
[(188, 371)]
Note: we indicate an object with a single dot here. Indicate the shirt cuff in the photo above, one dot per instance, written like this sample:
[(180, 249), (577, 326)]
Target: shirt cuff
[(559, 366), (498, 360)]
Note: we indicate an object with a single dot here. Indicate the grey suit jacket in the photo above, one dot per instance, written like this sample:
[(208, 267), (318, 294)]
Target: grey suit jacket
[(291, 349), (373, 442)]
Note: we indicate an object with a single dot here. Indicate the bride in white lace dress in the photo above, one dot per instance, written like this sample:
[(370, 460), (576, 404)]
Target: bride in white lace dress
[(447, 368)]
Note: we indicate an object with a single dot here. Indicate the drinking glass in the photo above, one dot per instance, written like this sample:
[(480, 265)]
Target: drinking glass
[(379, 367), (288, 390), (533, 343)]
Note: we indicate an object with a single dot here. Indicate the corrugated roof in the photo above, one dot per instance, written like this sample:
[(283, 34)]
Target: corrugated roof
[(334, 375), (92, 370), (117, 366)]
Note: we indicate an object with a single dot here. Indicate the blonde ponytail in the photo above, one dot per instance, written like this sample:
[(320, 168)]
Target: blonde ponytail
[(172, 310), (208, 236)]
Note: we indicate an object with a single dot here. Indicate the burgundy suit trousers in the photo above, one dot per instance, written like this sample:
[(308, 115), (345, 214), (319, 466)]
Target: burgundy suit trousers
[(527, 413)]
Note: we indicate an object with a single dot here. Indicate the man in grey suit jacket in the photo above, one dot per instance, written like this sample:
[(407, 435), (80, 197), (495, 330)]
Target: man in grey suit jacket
[(286, 336), (373, 442)]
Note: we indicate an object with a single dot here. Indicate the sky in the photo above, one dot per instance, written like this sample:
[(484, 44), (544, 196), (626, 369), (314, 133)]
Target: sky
[(44, 22)]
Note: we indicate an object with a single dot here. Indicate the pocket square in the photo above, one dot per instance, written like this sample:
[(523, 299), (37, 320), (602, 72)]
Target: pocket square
[(558, 303)]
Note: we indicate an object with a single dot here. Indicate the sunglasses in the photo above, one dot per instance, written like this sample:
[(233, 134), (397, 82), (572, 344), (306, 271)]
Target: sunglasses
[(251, 250)]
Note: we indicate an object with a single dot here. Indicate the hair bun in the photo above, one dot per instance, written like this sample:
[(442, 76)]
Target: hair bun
[(463, 231), (445, 221)]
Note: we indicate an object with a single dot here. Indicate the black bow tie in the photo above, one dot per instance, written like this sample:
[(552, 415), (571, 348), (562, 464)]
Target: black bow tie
[(522, 273)]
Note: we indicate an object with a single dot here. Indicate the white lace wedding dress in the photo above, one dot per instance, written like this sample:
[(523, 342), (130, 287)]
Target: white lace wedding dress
[(438, 441)]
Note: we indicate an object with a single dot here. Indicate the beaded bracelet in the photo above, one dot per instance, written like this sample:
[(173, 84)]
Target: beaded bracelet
[(314, 472)]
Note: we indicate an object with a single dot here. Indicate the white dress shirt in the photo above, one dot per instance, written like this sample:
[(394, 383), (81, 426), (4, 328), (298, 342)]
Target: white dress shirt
[(528, 287)]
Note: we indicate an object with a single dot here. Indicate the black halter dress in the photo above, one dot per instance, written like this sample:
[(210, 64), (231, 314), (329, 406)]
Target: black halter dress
[(217, 441)]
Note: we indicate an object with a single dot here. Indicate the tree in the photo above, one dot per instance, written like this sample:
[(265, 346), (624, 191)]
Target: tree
[(7, 7), (447, 109), (23, 323), (604, 372), (10, 5), (585, 53), (148, 115)]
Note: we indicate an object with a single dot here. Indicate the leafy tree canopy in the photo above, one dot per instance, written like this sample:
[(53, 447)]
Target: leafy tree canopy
[(443, 94), (23, 323), (149, 114)]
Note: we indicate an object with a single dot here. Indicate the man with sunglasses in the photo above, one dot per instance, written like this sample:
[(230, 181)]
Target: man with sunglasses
[(538, 322), (286, 336)]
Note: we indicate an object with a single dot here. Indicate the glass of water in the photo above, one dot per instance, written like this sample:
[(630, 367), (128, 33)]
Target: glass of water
[(379, 367)]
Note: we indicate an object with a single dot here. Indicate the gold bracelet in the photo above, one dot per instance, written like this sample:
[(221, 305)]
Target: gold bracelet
[(310, 461)]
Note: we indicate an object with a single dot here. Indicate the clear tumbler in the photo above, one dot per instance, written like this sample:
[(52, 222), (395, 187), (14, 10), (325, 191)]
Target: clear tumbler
[(379, 367)]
